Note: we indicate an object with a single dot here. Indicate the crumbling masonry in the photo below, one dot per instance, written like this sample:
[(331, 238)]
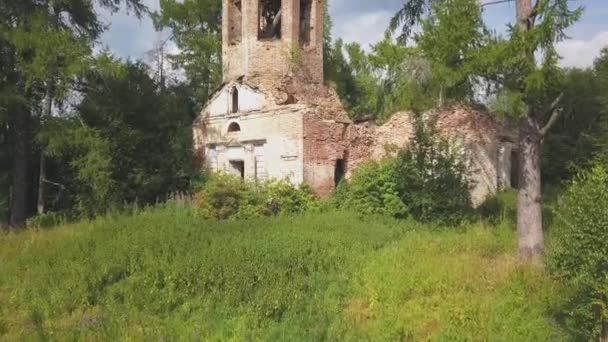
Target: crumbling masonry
[(274, 118)]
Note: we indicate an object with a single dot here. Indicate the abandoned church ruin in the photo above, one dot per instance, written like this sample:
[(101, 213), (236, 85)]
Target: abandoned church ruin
[(274, 118)]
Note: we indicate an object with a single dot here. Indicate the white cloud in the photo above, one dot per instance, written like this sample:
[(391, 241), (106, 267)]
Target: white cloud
[(582, 53), (354, 21), (365, 28), (128, 36)]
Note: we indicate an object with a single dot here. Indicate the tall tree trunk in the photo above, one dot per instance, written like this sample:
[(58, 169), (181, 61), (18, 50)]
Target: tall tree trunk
[(524, 14), (41, 203), (3, 223), (529, 205), (604, 337), (19, 203)]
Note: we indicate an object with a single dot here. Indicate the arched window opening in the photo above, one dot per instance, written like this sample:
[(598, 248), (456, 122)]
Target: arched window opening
[(269, 17), (305, 22), (514, 170), (235, 100), (234, 127), (235, 19)]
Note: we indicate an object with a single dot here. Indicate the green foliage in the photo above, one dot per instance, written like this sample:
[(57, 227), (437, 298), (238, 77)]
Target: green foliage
[(132, 119), (4, 208), (509, 104), (350, 69), (49, 56), (294, 55), (46, 220), (409, 16), (453, 286), (393, 77), (536, 84), (450, 40), (87, 157), (508, 63), (374, 85), (570, 145), (166, 274), (432, 176), (404, 79), (427, 181), (107, 153), (501, 207), (45, 47), (5, 180), (196, 27), (225, 196), (599, 137), (579, 252), (372, 191)]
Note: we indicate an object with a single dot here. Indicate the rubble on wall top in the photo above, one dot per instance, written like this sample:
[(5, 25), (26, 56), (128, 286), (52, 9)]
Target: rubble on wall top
[(473, 121), (464, 119), (290, 90)]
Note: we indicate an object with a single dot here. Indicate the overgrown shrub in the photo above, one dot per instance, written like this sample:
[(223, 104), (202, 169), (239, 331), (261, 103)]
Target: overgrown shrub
[(432, 176), (224, 196), (3, 212), (284, 198), (579, 252), (46, 220), (372, 191), (501, 207), (427, 181), (5, 180)]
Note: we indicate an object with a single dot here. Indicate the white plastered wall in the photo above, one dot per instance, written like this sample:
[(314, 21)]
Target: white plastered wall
[(270, 145), (270, 141), (248, 100)]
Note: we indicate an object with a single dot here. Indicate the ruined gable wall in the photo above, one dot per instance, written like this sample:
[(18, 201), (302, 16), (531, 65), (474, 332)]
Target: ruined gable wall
[(369, 142), (476, 133), (480, 139), (290, 89), (324, 144), (249, 99)]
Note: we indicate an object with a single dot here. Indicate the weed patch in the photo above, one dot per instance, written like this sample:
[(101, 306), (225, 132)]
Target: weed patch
[(165, 273)]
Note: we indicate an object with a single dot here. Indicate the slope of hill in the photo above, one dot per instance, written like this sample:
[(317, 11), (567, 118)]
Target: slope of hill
[(164, 274)]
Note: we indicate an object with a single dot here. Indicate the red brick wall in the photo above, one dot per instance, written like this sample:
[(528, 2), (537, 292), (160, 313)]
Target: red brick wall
[(324, 144), (272, 58)]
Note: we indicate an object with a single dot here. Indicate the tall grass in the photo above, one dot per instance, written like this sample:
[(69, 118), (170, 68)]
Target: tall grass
[(453, 286), (165, 274)]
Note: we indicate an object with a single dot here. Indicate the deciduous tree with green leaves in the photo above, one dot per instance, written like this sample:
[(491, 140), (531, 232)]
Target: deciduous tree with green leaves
[(43, 44), (196, 27), (523, 67)]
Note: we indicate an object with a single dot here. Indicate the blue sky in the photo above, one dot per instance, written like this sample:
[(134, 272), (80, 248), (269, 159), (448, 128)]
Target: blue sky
[(364, 21)]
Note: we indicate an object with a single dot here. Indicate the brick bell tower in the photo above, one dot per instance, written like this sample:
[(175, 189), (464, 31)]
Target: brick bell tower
[(273, 38)]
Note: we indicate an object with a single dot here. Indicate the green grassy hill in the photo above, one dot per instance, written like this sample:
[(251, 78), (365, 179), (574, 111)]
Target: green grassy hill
[(164, 274)]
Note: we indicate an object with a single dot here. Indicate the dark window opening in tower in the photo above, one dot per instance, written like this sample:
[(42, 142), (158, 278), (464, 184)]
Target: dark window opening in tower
[(514, 170), (306, 25), (235, 22), (269, 19), (235, 100)]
